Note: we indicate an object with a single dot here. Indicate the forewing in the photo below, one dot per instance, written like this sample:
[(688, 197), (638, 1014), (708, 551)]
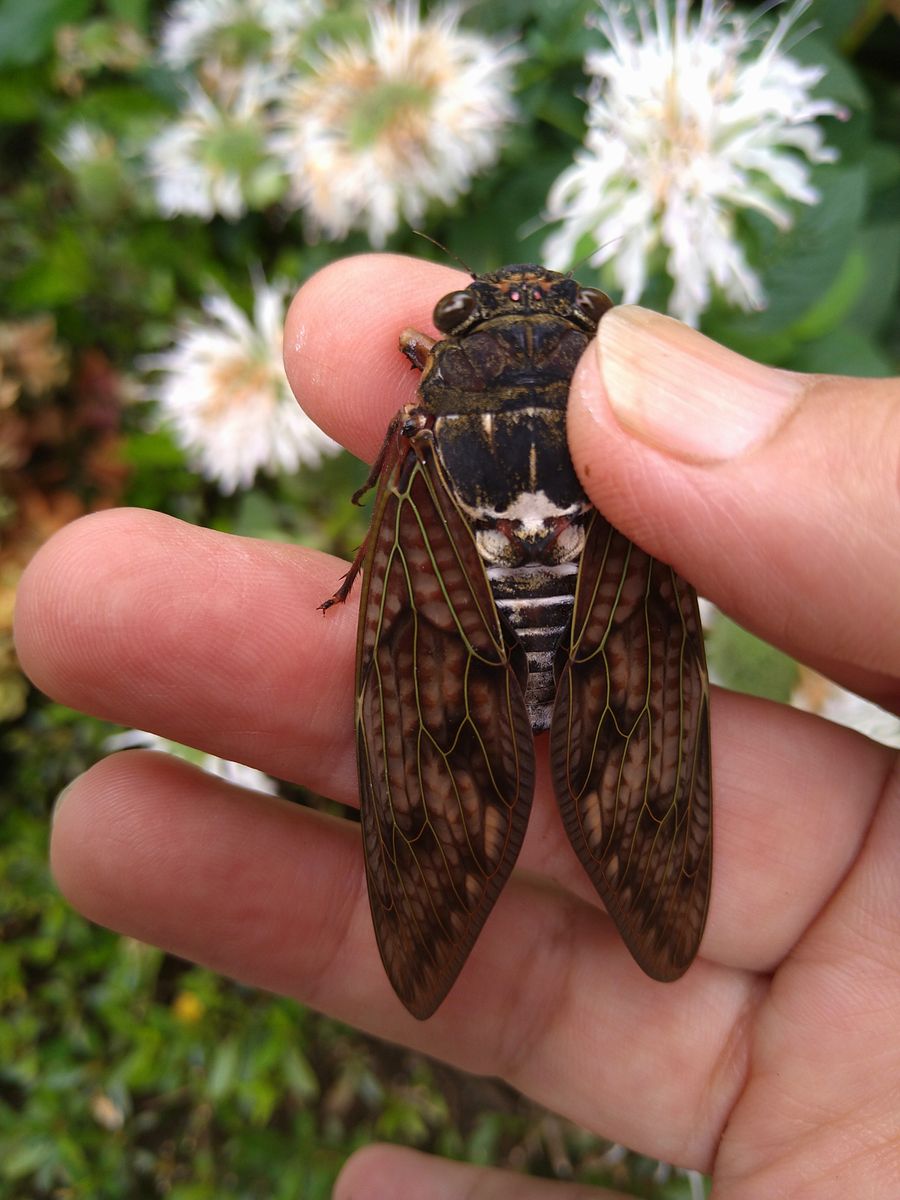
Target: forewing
[(630, 748), (444, 745)]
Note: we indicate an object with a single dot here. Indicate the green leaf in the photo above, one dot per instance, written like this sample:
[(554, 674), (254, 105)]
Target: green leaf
[(224, 1070), (882, 160), (808, 258), (876, 304), (196, 1191), (837, 300), (844, 352), (122, 108), (257, 516), (21, 92), (834, 17), (802, 264), (153, 451), (132, 12), (298, 1073), (61, 275), (13, 695), (774, 348), (558, 106), (744, 663), (27, 27), (25, 1158)]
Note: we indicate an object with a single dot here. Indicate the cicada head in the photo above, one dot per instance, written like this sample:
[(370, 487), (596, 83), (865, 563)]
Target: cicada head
[(518, 291)]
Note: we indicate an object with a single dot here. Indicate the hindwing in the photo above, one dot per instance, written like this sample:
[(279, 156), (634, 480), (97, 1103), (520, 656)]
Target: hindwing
[(444, 744), (630, 750)]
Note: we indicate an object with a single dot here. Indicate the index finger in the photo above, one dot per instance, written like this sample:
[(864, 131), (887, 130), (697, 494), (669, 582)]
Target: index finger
[(341, 342)]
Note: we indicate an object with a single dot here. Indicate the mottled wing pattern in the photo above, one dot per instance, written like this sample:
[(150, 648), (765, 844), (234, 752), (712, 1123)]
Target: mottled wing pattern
[(630, 748), (444, 746)]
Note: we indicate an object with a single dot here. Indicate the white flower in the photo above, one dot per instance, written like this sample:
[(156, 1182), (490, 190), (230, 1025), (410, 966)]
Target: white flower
[(689, 121), (230, 33), (85, 145), (212, 158), (101, 167), (226, 397), (379, 130), (815, 693), (663, 1172), (222, 768)]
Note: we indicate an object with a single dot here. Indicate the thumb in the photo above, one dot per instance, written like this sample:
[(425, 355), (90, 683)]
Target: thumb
[(774, 493)]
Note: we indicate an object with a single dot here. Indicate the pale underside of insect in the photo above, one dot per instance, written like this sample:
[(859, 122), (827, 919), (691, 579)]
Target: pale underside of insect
[(496, 603)]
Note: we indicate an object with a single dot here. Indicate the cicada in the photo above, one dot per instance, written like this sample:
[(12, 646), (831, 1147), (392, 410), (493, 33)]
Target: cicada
[(497, 603)]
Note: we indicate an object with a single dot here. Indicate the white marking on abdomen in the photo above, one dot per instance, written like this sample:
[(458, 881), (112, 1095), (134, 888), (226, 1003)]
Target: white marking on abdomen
[(563, 568), (537, 631), (536, 602), (532, 509), (539, 621)]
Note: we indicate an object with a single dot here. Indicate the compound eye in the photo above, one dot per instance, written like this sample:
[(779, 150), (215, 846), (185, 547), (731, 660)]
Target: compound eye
[(593, 303), (454, 310)]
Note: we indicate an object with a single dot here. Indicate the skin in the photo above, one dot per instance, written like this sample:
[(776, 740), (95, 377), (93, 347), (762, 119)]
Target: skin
[(773, 1064)]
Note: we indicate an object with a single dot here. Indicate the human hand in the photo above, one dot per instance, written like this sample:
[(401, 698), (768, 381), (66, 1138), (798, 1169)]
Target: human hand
[(773, 1062)]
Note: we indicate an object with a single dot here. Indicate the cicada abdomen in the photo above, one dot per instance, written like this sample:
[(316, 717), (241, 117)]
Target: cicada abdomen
[(496, 603)]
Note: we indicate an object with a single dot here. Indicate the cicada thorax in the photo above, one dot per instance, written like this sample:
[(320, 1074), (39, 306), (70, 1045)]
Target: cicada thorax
[(498, 397)]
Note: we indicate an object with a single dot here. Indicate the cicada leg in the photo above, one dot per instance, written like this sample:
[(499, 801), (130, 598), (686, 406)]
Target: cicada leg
[(392, 449)]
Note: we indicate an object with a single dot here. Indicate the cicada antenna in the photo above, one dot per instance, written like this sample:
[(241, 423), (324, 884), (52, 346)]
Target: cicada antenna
[(448, 252), (590, 254)]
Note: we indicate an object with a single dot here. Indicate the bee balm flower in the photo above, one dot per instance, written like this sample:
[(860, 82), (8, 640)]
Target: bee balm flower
[(225, 395), (689, 122), (212, 158), (232, 772), (379, 130), (231, 33)]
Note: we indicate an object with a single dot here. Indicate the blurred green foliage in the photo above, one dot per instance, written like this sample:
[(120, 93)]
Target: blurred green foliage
[(126, 1073)]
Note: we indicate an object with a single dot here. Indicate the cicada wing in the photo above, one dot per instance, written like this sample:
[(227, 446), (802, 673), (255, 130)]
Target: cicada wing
[(630, 748), (444, 746)]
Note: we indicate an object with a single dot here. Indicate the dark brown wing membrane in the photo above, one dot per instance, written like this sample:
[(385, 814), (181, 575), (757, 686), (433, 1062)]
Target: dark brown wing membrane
[(630, 748), (444, 746)]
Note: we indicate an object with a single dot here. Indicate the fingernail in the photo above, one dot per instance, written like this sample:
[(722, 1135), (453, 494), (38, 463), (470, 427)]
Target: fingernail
[(686, 395)]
